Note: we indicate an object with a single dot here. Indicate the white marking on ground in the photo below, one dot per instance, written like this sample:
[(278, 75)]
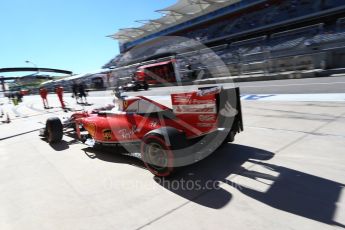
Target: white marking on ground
[(336, 97), (297, 84)]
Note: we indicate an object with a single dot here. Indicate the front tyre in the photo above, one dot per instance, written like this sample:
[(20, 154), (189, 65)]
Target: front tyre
[(136, 87), (54, 130), (157, 155), (146, 86)]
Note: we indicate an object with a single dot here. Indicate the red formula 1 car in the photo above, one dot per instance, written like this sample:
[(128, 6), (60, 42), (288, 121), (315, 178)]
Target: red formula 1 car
[(134, 86), (185, 129)]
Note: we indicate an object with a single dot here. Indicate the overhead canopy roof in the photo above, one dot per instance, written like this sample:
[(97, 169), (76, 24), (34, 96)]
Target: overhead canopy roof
[(185, 7), (181, 11), (35, 69), (155, 64)]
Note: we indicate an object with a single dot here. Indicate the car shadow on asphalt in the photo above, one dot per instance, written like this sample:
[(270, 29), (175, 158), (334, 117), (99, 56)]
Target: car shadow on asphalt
[(288, 190), (202, 183), (62, 145), (114, 154), (296, 192)]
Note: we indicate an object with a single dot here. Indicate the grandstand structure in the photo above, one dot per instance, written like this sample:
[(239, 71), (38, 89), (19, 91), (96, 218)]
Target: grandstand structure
[(250, 36)]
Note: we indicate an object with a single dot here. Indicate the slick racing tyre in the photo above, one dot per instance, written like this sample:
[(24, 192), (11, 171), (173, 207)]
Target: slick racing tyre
[(54, 130), (157, 155), (145, 86), (136, 87)]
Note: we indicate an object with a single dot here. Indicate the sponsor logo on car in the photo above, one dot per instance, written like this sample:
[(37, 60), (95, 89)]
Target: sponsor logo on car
[(209, 91), (228, 110), (107, 134), (205, 125), (187, 99), (128, 133), (91, 128), (200, 108), (153, 124), (204, 118), (181, 99), (125, 104)]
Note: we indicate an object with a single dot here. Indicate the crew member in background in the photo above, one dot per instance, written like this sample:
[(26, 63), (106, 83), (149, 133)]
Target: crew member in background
[(82, 93), (19, 96), (190, 72), (59, 93), (44, 93), (11, 96), (15, 98), (75, 90)]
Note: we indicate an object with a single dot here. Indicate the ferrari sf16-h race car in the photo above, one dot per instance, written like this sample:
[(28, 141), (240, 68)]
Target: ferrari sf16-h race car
[(134, 86), (182, 131)]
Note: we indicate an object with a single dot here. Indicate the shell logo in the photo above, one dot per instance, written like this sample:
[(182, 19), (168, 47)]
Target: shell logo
[(91, 128), (125, 104)]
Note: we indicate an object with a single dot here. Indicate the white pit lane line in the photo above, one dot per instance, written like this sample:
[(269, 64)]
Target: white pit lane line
[(333, 97), (289, 85), (330, 97)]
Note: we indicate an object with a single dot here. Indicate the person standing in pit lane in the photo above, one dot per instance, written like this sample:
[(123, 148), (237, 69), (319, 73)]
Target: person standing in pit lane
[(19, 96), (59, 93), (75, 91), (82, 93), (44, 93)]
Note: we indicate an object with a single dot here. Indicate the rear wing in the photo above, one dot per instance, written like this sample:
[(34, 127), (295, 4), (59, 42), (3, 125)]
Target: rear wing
[(209, 108), (230, 109), (239, 109)]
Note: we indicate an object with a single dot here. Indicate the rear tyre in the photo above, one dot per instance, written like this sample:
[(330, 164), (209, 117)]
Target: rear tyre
[(146, 86), (98, 146), (54, 130), (157, 155), (136, 87)]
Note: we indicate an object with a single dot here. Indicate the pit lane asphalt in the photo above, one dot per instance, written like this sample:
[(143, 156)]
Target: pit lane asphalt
[(285, 171), (291, 86)]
